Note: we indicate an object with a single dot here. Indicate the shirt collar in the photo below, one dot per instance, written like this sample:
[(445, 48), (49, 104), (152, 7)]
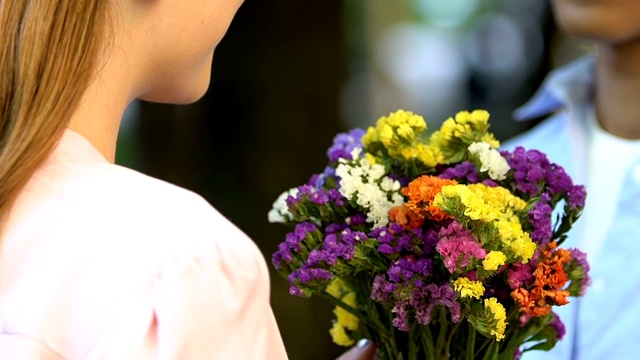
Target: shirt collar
[(568, 87)]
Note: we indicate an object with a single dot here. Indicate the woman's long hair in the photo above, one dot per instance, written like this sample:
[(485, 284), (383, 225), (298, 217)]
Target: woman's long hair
[(49, 52)]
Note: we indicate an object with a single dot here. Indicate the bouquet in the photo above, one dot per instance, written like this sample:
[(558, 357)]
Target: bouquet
[(435, 247)]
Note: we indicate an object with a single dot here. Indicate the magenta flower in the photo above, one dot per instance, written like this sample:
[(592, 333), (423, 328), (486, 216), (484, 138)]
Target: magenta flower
[(458, 247)]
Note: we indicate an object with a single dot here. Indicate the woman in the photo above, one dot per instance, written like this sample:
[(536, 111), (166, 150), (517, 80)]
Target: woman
[(595, 135), (98, 261)]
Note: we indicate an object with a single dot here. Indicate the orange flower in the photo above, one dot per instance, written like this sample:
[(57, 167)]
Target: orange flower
[(550, 278), (421, 193), (406, 217)]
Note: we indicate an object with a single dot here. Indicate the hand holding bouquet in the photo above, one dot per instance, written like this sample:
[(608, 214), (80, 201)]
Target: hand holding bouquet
[(435, 248)]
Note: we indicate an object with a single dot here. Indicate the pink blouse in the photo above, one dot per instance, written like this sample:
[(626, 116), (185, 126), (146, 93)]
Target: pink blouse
[(101, 262)]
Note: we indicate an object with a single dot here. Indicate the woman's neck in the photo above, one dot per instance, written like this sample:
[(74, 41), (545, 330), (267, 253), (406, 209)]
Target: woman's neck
[(617, 93)]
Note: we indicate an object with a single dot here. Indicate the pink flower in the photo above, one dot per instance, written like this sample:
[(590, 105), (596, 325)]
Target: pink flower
[(458, 247)]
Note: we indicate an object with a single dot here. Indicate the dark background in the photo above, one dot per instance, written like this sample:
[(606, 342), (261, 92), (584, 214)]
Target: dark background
[(263, 127)]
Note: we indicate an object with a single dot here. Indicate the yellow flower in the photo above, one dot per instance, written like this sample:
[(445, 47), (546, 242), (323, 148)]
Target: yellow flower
[(409, 153), (491, 140), (386, 135), (372, 159), (429, 155), (406, 132), (370, 137), (339, 335), (499, 324), (399, 133), (346, 319), (337, 288), (476, 117), (523, 247), (493, 260), (468, 288)]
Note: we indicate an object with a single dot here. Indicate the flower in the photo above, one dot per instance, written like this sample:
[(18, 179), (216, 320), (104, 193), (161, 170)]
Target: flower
[(493, 260), (400, 127), (458, 247), (498, 324), (490, 159), (549, 281), (339, 335), (456, 134), (410, 236), (421, 193), (365, 183), (558, 326), (280, 212), (465, 170), (468, 288), (343, 145), (578, 271)]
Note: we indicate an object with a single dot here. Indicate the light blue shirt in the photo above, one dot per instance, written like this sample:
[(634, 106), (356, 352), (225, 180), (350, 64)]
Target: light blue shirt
[(605, 324)]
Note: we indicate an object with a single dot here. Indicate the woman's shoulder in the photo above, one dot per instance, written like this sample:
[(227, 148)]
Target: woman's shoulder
[(135, 205), (84, 197), (122, 241)]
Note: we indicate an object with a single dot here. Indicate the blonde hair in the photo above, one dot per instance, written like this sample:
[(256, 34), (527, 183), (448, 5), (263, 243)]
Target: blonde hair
[(48, 57)]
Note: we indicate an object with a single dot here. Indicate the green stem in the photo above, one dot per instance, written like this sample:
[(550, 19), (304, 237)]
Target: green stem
[(442, 335), (450, 337), (413, 347), (484, 345), (337, 302), (427, 342), (471, 343)]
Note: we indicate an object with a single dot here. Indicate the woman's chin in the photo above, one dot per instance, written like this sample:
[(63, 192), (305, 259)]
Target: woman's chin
[(180, 94)]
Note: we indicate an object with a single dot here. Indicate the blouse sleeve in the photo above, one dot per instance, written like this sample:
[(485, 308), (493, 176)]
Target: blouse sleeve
[(203, 293), (215, 307)]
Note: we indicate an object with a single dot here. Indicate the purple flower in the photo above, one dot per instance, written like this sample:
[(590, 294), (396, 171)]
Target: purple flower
[(529, 169), (309, 274), (489, 183), (540, 218), (385, 249), (356, 220), (430, 239), (581, 259), (352, 237), (344, 143), (403, 180), (401, 320), (426, 299), (381, 289), (577, 196), (558, 326), (295, 291), (292, 243), (463, 171), (334, 228), (319, 180), (304, 228), (517, 354), (302, 190)]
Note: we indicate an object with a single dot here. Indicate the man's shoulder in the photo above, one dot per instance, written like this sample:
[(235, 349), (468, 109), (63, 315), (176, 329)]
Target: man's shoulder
[(545, 136)]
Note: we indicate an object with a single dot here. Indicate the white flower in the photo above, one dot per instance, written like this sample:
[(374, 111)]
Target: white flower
[(490, 160), (376, 172), (388, 184), (279, 212), (365, 183)]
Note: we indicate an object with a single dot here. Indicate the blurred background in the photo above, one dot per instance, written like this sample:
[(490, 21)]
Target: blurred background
[(290, 74)]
